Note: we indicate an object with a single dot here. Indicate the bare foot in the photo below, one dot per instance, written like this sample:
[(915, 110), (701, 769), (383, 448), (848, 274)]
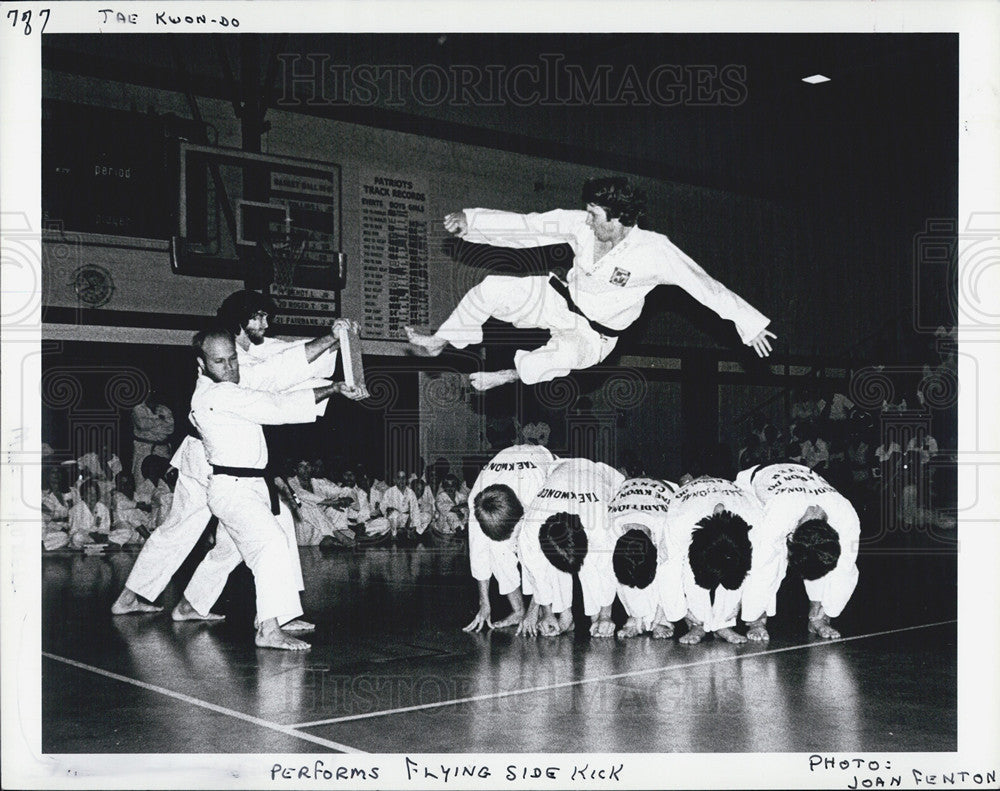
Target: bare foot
[(602, 627), (185, 612), (630, 629), (487, 380), (275, 638), (128, 602), (731, 636), (298, 625), (662, 631), (514, 619), (821, 626), (758, 634), (694, 636), (429, 344)]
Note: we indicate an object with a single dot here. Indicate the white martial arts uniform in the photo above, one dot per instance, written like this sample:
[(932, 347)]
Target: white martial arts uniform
[(375, 495), (358, 511), (83, 522), (314, 521), (610, 291), (159, 498), (690, 504), (55, 519), (407, 509), (785, 491), (447, 520), (273, 366), (643, 501), (425, 503), (126, 512), (524, 469), (90, 467), (585, 488), (229, 418), (150, 431), (168, 546)]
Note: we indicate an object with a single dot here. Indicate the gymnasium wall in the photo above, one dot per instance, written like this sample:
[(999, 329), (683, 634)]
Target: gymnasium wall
[(785, 260), (800, 269)]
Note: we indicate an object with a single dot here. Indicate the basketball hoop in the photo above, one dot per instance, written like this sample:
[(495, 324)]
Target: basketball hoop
[(285, 249)]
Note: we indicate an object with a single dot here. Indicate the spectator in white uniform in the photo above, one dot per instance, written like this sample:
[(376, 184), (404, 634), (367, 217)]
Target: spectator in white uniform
[(615, 265), (57, 501), (400, 506), (287, 365), (359, 514), (376, 492), (452, 507), (155, 492), (229, 418), (152, 426), (126, 512), (316, 515), (709, 528), (638, 515), (90, 521), (101, 466), (505, 487), (809, 529), (425, 504), (566, 532)]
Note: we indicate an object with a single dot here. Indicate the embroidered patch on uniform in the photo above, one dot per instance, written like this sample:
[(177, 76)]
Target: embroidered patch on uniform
[(620, 277)]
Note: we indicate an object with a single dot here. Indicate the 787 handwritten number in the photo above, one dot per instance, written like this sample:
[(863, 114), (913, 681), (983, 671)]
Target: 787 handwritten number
[(24, 17)]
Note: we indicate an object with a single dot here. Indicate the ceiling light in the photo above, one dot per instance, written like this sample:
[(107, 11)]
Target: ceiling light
[(815, 79)]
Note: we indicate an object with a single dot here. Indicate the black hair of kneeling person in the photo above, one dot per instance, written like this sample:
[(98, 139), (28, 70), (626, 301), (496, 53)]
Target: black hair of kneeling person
[(634, 559), (720, 551), (563, 540), (813, 549)]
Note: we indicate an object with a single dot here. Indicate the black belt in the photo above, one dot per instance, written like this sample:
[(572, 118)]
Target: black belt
[(251, 472), (563, 290), (152, 442)]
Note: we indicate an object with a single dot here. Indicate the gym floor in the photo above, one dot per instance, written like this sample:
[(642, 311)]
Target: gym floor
[(391, 670)]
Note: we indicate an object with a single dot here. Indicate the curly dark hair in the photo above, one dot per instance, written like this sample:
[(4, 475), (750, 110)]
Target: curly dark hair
[(239, 307), (618, 197)]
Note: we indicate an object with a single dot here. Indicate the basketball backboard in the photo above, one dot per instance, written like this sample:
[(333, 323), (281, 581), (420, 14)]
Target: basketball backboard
[(271, 221)]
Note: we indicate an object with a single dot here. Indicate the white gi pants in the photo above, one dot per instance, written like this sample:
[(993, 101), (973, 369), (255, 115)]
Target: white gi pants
[(422, 521), (209, 579), (449, 522), (528, 302), (54, 538), (168, 545), (243, 506), (377, 526), (397, 521)]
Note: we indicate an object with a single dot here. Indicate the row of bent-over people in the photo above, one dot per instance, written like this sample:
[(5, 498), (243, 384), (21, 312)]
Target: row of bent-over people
[(707, 552)]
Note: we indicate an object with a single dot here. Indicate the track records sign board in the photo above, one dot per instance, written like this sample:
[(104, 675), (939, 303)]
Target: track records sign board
[(394, 256)]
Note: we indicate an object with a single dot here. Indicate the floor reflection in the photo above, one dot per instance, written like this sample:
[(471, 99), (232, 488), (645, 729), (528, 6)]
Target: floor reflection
[(389, 637)]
